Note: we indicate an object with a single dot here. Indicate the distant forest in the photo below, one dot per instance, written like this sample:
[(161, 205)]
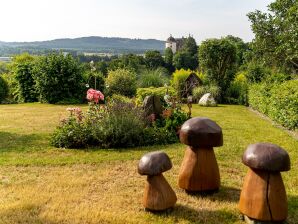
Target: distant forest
[(111, 45)]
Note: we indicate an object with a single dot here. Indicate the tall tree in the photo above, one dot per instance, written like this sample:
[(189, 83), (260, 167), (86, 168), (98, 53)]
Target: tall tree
[(153, 59), (169, 59), (217, 58), (187, 57), (276, 35)]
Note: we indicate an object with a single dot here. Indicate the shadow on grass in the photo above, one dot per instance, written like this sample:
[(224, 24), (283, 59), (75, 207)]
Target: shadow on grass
[(182, 212), (16, 142), (223, 194), (29, 213)]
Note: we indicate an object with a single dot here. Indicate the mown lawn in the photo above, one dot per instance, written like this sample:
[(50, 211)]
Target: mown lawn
[(42, 184)]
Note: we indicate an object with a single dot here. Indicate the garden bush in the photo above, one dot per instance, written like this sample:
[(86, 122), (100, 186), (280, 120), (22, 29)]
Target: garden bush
[(22, 67), (237, 91), (59, 78), (178, 80), (278, 101), (3, 89), (121, 81), (153, 78), (151, 91), (12, 88), (256, 73)]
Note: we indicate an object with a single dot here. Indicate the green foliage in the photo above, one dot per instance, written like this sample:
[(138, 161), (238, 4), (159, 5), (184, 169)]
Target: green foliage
[(116, 125), (121, 81), (4, 67), (178, 80), (276, 36), (199, 91), (242, 49), (278, 101), (116, 98), (22, 67), (12, 87), (3, 89), (187, 57), (58, 78), (130, 62), (95, 77), (169, 59), (120, 127), (256, 73), (217, 58), (151, 91), (71, 134), (237, 91), (153, 59), (153, 78)]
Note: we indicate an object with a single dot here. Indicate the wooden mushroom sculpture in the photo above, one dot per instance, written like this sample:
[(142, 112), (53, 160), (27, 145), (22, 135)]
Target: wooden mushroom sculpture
[(263, 196), (199, 170), (158, 193)]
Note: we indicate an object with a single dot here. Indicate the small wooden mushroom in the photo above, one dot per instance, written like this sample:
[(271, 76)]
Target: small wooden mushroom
[(199, 170), (263, 196), (158, 193)]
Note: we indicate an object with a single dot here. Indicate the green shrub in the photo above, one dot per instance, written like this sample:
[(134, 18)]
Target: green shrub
[(199, 91), (59, 78), (284, 104), (116, 98), (12, 87), (178, 81), (121, 81), (116, 125), (278, 101), (3, 89), (151, 91), (22, 67), (71, 134), (121, 127), (237, 91), (256, 73), (153, 78)]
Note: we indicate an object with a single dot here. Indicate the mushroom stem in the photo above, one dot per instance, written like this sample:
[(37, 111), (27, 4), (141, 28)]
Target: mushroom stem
[(263, 196), (199, 170), (158, 194)]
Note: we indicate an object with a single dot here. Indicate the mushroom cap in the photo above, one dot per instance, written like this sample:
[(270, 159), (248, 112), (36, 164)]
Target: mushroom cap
[(200, 132), (266, 156), (154, 163)]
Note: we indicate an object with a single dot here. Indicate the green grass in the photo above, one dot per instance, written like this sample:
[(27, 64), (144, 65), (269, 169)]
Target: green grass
[(42, 184)]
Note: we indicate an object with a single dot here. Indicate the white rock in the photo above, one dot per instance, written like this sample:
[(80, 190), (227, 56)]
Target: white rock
[(207, 100)]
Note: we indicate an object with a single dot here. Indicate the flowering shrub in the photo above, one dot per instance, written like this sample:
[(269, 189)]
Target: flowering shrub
[(117, 124), (94, 95)]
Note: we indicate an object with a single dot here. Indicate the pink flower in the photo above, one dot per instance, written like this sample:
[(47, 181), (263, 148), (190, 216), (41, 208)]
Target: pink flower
[(94, 95)]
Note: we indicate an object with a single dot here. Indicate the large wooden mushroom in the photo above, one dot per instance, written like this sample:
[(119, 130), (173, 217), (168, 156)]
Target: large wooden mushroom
[(158, 193), (199, 170), (263, 196)]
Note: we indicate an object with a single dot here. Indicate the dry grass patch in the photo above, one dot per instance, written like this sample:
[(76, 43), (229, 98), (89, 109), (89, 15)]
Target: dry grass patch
[(105, 193)]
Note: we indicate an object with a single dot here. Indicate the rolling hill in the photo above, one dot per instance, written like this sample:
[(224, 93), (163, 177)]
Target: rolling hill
[(85, 44)]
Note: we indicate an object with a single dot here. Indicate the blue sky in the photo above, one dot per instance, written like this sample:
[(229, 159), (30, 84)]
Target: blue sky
[(32, 20)]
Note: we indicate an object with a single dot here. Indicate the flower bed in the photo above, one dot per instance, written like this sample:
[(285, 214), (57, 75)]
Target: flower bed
[(117, 124)]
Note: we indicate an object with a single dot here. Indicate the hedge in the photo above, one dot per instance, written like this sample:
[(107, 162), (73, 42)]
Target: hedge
[(278, 101)]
